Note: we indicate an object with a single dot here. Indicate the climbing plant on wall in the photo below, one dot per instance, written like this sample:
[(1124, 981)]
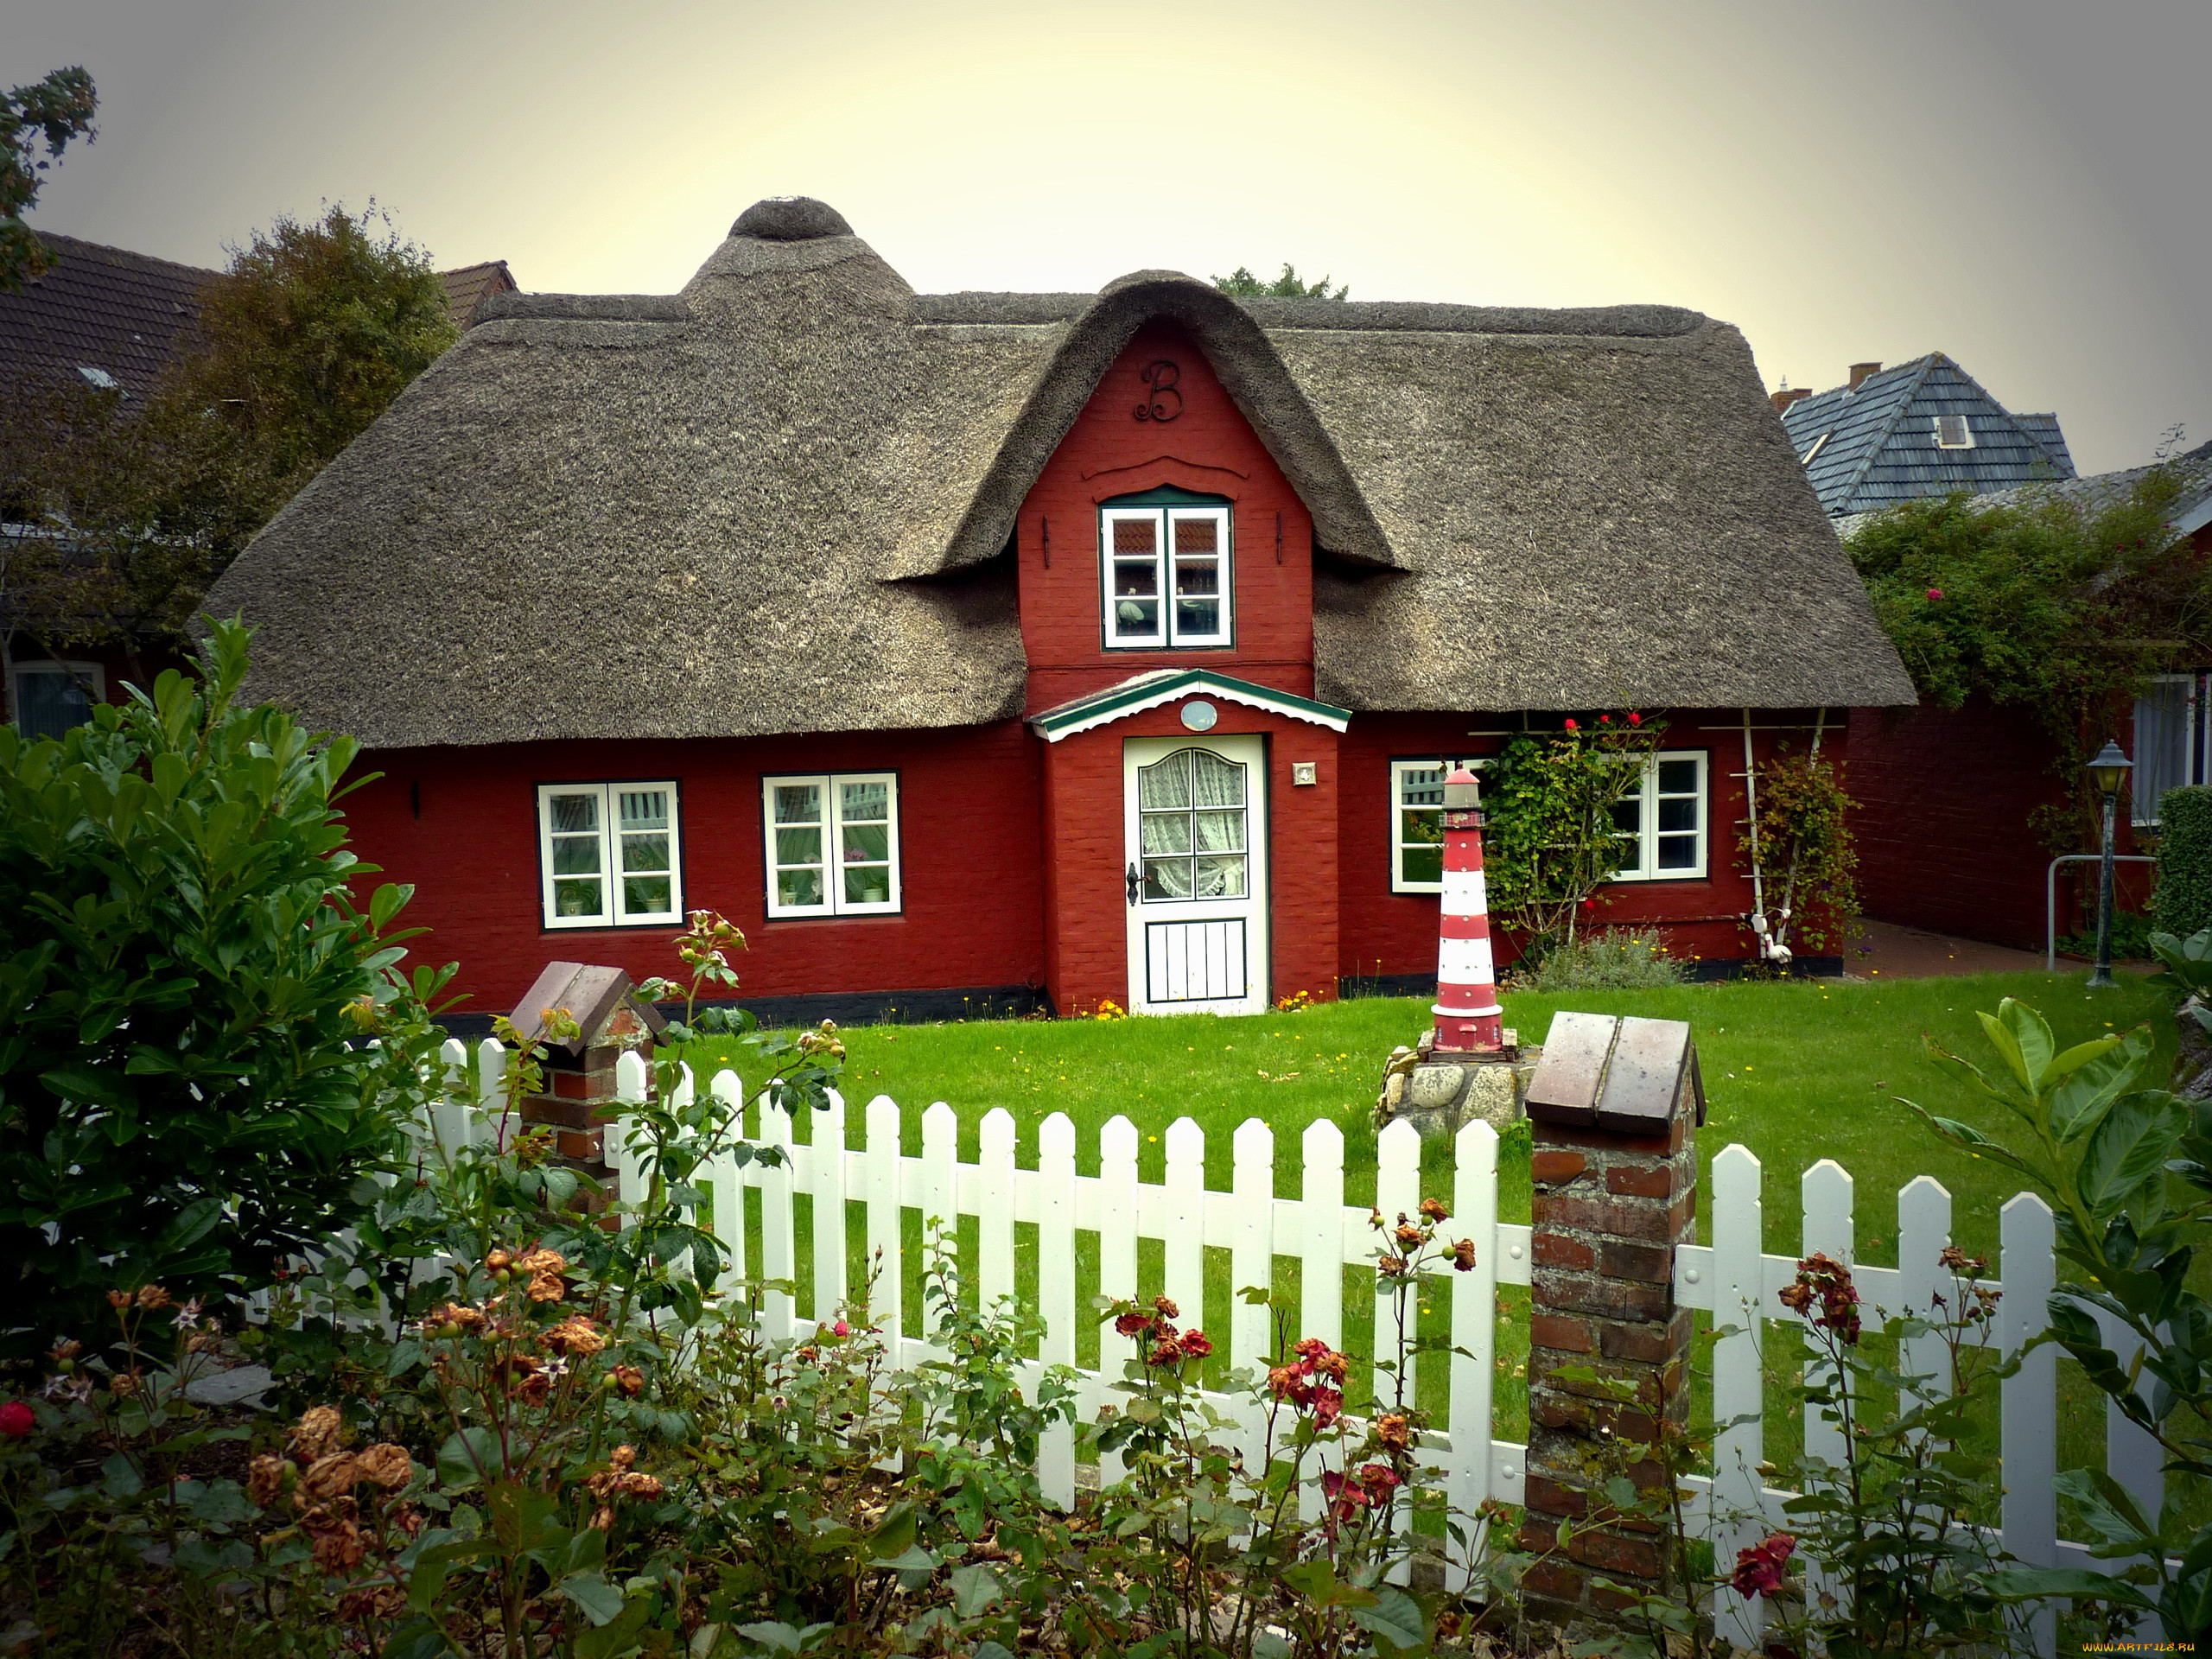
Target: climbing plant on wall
[(1803, 849), (1549, 838)]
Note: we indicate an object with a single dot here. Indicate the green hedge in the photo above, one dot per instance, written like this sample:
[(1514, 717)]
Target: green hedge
[(2183, 903)]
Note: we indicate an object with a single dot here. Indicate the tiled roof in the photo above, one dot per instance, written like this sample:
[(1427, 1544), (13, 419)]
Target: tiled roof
[(469, 287), (101, 309), (1865, 449)]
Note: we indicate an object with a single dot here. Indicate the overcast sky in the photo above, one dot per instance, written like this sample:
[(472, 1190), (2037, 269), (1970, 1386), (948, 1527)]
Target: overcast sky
[(2018, 183)]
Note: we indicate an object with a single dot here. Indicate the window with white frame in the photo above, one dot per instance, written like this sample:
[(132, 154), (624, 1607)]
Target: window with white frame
[(1165, 571), (833, 843), (47, 699), (1954, 432), (2171, 741), (611, 853), (1417, 823), (1662, 822)]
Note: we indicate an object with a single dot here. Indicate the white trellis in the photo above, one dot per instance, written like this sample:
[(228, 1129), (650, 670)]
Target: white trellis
[(1733, 1277)]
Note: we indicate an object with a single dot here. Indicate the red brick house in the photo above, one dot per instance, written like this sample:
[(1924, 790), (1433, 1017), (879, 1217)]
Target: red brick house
[(979, 651)]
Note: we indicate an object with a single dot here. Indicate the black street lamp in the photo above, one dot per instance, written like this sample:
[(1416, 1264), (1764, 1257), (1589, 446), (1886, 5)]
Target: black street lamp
[(2109, 770)]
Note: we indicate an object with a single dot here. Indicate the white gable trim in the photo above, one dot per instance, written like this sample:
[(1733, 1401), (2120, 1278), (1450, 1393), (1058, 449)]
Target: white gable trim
[(1135, 696)]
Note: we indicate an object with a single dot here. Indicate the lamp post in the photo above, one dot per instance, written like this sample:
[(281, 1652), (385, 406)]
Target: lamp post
[(2109, 770)]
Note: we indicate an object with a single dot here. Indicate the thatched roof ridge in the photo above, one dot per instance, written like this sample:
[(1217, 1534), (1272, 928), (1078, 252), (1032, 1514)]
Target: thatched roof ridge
[(778, 502)]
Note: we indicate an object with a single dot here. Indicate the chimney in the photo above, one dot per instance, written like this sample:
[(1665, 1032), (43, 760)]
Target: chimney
[(1860, 370), (1787, 396)]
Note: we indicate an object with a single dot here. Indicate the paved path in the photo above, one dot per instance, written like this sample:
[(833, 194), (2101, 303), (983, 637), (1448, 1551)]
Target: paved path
[(1893, 951)]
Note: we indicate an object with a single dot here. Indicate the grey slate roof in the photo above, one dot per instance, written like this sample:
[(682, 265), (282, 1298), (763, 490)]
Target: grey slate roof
[(1877, 445), (2190, 511), (97, 308), (778, 502)]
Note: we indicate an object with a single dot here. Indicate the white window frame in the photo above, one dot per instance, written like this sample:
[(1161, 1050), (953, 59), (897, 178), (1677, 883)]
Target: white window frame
[(1168, 635), (2196, 750), (614, 911), (1399, 769), (90, 673), (1966, 429), (1819, 444), (1647, 867), (834, 902)]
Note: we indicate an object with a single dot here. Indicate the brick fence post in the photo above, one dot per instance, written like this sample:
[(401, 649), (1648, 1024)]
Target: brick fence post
[(1614, 1109), (577, 1097)]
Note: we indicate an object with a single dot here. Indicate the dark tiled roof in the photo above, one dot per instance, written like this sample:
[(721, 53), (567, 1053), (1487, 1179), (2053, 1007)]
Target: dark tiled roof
[(1865, 450), (471, 285), (98, 308)]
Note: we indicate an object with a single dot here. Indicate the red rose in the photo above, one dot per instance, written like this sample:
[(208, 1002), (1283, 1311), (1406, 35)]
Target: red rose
[(1196, 1345), (1636, 720), (17, 1420), (1935, 592), (1572, 727)]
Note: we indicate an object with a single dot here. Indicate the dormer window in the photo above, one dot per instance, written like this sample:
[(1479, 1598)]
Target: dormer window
[(1165, 570), (1952, 432)]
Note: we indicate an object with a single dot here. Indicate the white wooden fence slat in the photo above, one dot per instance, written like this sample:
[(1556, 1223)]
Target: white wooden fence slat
[(2131, 1454), (779, 1259), (449, 1113), (1252, 1264), (492, 1092), (619, 1144), (1056, 1288), (1923, 1233), (1827, 1194), (1397, 1192), (2028, 1408), (1321, 1265), (880, 1185), (826, 1178), (995, 1205), (1117, 1257), (1186, 1204), (727, 1185), (940, 1154), (1738, 1299), (1474, 1328)]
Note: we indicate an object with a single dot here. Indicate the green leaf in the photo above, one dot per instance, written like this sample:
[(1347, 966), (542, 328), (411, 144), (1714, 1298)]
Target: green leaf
[(974, 1588), (1396, 1617), (619, 1634), (600, 1601), (912, 1559), (1318, 1583), (2076, 1583), (2128, 1149), (2077, 1105), (780, 1637), (464, 1452), (894, 1535), (120, 1476), (421, 1637)]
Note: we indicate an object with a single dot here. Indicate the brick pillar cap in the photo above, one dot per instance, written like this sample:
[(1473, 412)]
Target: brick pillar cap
[(1623, 1073)]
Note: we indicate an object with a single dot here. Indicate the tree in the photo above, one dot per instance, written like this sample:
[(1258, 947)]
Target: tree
[(2058, 602), (1244, 285), (50, 112), (185, 983), (136, 507)]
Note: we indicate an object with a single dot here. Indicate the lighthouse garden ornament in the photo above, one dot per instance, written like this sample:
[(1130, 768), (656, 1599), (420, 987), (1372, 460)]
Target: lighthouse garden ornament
[(1468, 1066)]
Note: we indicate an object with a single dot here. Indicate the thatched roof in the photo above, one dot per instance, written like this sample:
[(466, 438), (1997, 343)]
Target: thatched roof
[(779, 502)]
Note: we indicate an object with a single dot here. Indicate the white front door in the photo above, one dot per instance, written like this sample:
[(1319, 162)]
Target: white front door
[(1196, 874)]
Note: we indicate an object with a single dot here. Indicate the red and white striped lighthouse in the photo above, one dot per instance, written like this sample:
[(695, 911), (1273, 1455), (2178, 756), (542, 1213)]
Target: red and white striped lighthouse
[(1468, 1018)]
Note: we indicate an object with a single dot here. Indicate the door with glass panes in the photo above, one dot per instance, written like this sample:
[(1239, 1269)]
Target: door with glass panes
[(1196, 878)]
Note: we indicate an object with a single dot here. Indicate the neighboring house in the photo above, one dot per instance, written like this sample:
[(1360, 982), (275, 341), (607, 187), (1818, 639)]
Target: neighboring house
[(110, 318), (469, 287), (1947, 797), (1922, 427), (981, 651)]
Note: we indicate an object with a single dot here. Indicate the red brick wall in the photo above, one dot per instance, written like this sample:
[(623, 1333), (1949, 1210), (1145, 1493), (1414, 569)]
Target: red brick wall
[(968, 827), (1945, 799), (1087, 951), (1208, 447), (1387, 933)]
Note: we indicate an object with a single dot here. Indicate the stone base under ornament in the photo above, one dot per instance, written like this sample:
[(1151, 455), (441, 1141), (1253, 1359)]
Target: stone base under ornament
[(1440, 1094)]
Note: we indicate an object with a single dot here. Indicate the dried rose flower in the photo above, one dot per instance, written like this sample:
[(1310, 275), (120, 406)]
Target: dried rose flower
[(1761, 1569), (629, 1381), (1133, 1324), (574, 1335), (330, 1475), (1408, 1236), (1168, 1309), (1392, 1430), (1463, 1255), (386, 1464), (1168, 1351), (1196, 1345), (151, 1297), (1434, 1210), (265, 1479)]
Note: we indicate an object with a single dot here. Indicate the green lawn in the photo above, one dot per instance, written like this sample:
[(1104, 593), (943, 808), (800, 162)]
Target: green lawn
[(1797, 1071)]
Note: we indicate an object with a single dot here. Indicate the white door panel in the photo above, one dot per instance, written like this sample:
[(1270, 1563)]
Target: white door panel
[(1195, 812)]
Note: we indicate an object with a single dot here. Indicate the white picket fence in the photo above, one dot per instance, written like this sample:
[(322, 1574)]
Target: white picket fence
[(1733, 1277)]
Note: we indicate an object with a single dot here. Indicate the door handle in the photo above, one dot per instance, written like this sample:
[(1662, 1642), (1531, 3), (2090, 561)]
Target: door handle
[(1136, 883)]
